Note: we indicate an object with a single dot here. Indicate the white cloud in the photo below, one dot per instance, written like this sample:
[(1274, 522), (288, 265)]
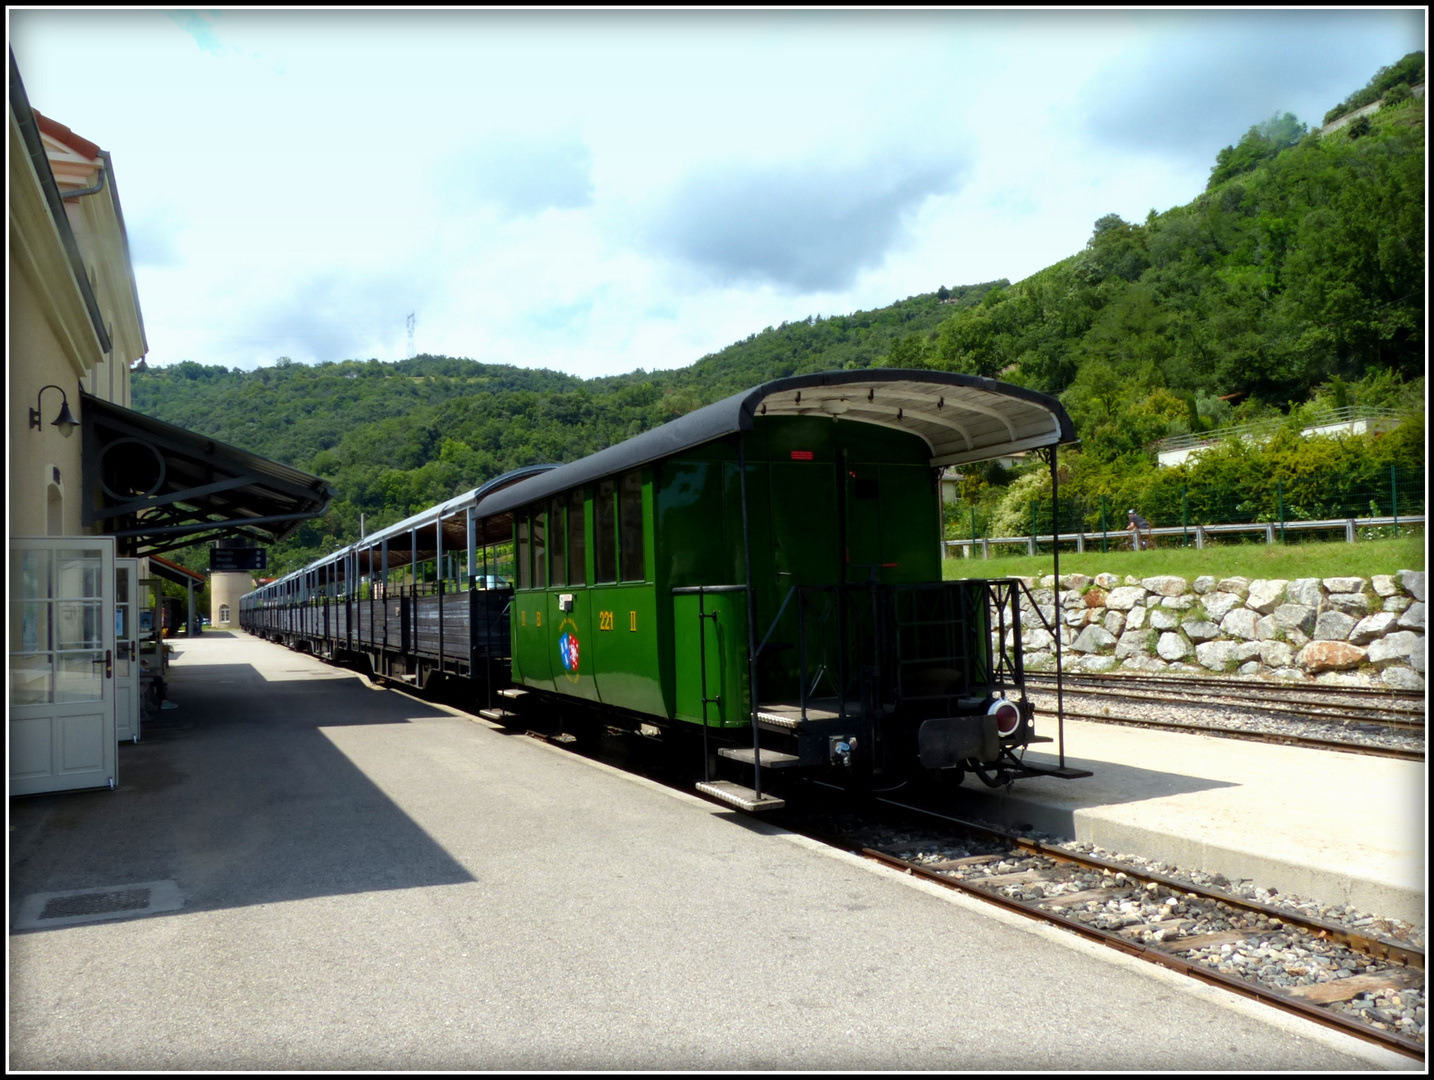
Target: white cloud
[(601, 191)]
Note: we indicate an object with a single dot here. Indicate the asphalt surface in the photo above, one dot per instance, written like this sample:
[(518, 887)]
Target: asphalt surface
[(370, 882)]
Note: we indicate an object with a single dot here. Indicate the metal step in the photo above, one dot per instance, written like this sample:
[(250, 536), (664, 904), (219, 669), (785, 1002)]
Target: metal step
[(787, 715), (513, 693), (744, 798), (499, 716), (771, 759)]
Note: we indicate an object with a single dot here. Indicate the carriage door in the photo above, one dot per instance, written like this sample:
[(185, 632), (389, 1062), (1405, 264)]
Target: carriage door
[(62, 643), (127, 649), (861, 522)]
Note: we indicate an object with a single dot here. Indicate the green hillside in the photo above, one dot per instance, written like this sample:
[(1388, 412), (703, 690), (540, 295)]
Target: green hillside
[(1296, 279)]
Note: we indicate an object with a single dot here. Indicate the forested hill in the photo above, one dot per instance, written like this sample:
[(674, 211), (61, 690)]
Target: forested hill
[(1297, 274)]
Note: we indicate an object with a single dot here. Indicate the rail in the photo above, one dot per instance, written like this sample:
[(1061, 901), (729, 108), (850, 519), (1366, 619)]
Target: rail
[(1273, 531)]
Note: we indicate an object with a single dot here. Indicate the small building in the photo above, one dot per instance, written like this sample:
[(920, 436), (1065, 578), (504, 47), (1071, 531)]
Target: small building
[(97, 492)]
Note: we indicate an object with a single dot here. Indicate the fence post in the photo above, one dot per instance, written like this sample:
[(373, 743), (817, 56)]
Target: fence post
[(1104, 530), (973, 528), (1280, 502), (1394, 499), (1033, 526), (1184, 518)]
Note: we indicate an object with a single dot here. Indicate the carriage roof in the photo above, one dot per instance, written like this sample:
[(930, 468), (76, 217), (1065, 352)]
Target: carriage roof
[(961, 418)]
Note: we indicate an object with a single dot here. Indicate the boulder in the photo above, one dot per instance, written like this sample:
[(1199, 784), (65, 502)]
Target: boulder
[(1320, 656), (1295, 617), (1413, 583), (1402, 678), (1131, 643), (1135, 618), (1048, 581), (1131, 581), (1413, 618), (1075, 581), (1343, 678), (1039, 638), (1252, 668), (1247, 650), (1240, 623), (1265, 595), (1204, 584), (1238, 585), (1166, 585), (1162, 618), (1370, 627), (1218, 605), (1125, 597), (1114, 622), (1276, 654), (1094, 663), (1344, 584), (1335, 626), (1172, 646), (1107, 581), (1351, 603), (1216, 655), (1198, 630), (1179, 603), (1093, 639), (1398, 604), (1306, 591), (1288, 673), (1093, 598), (1144, 662), (1385, 585), (1394, 648)]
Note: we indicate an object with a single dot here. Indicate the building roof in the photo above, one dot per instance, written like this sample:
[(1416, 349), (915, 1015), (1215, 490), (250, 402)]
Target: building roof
[(158, 487)]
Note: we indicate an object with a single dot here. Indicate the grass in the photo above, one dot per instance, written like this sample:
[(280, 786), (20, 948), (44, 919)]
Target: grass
[(1303, 560)]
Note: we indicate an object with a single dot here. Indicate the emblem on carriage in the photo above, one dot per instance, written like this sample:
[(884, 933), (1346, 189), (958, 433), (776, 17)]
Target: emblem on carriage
[(568, 650)]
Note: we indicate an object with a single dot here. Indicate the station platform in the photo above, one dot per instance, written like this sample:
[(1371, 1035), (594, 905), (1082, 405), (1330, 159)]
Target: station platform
[(299, 871), (1323, 825)]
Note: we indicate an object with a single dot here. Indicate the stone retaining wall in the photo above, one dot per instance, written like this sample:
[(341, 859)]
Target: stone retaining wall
[(1342, 630)]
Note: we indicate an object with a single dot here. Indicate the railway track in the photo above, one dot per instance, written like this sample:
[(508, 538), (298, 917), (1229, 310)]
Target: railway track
[(1326, 718), (1392, 708), (1205, 932)]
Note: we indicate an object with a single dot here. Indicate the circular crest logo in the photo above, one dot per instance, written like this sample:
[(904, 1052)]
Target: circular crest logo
[(568, 648)]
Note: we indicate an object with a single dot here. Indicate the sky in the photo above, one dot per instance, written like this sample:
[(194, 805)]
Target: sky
[(601, 191)]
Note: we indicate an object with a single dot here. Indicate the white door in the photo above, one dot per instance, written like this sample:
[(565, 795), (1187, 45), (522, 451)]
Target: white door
[(127, 649), (62, 644)]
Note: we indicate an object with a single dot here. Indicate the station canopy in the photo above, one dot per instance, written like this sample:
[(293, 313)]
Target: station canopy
[(961, 418), (156, 487)]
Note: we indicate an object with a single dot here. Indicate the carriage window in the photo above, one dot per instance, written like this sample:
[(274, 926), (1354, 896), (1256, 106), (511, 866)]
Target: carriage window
[(577, 541), (540, 549), (559, 564), (605, 532), (629, 523), (525, 570)]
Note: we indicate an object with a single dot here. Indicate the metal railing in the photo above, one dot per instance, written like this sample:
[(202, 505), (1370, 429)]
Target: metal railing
[(1195, 535)]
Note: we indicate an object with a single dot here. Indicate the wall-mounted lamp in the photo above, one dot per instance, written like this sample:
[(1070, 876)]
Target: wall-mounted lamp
[(66, 421)]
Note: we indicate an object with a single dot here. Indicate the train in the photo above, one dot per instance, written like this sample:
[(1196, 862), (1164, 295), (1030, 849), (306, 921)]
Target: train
[(756, 585)]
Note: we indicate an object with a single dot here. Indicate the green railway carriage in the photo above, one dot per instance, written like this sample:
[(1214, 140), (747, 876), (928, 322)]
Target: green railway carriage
[(761, 577)]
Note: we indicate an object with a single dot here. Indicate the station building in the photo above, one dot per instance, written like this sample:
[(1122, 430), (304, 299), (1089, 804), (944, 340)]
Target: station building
[(98, 492)]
